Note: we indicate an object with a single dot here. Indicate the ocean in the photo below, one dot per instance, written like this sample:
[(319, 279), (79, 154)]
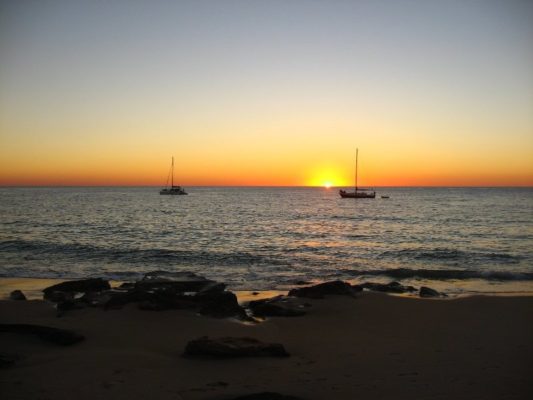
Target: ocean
[(459, 240)]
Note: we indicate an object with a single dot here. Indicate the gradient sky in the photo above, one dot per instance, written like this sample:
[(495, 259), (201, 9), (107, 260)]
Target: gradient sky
[(266, 92)]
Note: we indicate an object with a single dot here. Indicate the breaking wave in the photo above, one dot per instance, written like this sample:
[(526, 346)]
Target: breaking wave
[(445, 254), (445, 274)]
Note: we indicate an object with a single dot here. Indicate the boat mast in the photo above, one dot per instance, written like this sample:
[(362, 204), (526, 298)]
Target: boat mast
[(356, 156), (172, 185)]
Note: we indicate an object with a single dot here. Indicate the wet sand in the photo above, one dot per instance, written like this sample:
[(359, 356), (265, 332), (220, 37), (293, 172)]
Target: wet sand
[(374, 346)]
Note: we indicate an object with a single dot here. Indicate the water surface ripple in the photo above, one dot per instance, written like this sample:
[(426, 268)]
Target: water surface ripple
[(265, 238)]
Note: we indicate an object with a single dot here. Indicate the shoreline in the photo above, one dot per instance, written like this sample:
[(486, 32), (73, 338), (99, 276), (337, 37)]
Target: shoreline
[(369, 346), (32, 288)]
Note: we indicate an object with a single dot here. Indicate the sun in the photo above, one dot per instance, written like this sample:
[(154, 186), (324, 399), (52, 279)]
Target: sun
[(326, 177)]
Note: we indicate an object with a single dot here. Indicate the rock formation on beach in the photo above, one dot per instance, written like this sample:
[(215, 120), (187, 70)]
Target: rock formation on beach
[(279, 306), (156, 291), (162, 290), (17, 295), (326, 288), (351, 343)]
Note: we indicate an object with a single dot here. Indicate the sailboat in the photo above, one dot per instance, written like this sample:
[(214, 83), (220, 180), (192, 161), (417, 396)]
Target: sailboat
[(172, 190), (359, 193)]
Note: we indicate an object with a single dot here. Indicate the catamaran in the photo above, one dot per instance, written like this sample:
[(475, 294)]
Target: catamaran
[(359, 193), (172, 190)]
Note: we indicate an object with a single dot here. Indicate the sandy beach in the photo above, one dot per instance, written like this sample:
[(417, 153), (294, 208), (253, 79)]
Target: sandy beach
[(266, 200), (371, 346)]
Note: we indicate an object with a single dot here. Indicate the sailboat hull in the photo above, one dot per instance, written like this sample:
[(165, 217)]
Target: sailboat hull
[(357, 195), (173, 192)]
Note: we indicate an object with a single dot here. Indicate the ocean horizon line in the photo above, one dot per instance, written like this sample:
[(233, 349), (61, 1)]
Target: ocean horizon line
[(281, 186)]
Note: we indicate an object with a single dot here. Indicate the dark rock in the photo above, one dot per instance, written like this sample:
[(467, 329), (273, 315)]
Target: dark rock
[(157, 291), (73, 304), (219, 305), (17, 295), (213, 287), (117, 300), (135, 295), (323, 289), (53, 335), (279, 306), (149, 305), (59, 297), (162, 300), (234, 347), (95, 299), (428, 292), (126, 285), (266, 396), (357, 288), (300, 282), (392, 287), (81, 286), (212, 302), (106, 299)]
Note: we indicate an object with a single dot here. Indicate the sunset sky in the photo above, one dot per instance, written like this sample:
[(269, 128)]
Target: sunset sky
[(270, 92)]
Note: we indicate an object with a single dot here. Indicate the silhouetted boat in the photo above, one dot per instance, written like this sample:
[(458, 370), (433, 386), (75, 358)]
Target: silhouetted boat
[(359, 193), (172, 190)]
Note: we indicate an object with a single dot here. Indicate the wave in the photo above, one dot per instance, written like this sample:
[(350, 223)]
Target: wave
[(47, 259), (83, 252), (359, 236), (446, 274), (445, 254)]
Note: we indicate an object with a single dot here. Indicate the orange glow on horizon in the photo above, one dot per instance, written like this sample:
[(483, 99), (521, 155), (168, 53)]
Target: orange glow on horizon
[(115, 175), (273, 165)]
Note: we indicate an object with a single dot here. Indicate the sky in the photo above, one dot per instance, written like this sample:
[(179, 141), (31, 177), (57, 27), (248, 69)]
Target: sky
[(275, 93)]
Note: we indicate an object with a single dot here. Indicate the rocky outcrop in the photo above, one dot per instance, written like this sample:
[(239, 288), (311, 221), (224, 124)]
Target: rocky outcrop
[(156, 291), (59, 297), (279, 306), (160, 299), (324, 289), (159, 291), (81, 286), (177, 281), (227, 347), (185, 290), (428, 292), (392, 287), (103, 299), (213, 303), (57, 336), (67, 305), (213, 287), (17, 295), (219, 305)]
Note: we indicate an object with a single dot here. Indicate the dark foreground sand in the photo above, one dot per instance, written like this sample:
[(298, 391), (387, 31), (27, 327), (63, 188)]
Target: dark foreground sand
[(372, 347)]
